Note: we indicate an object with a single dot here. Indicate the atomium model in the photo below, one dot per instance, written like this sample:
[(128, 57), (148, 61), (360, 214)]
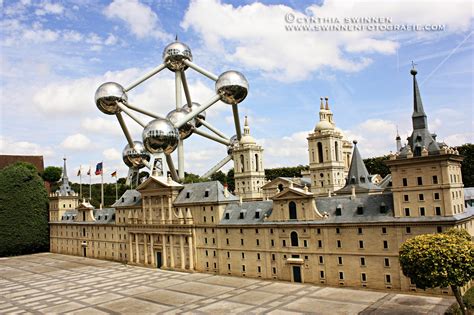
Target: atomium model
[(161, 136)]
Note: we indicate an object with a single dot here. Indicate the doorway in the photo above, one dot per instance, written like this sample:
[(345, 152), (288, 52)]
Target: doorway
[(296, 274), (84, 252), (158, 260)]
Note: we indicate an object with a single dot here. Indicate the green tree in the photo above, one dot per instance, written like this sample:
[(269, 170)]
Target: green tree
[(220, 176), (439, 260), (467, 166), (52, 174), (23, 211), (272, 173), (376, 165), (230, 180)]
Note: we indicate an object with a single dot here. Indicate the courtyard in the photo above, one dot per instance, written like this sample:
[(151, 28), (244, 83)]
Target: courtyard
[(50, 283)]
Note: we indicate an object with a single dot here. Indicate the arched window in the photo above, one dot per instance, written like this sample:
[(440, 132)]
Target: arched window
[(256, 162), (292, 210), (242, 163), (320, 152), (336, 147), (280, 187), (294, 239)]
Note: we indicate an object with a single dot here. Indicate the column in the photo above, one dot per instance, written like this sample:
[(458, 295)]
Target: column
[(162, 210), (171, 252), (181, 248), (145, 248), (164, 252), (152, 251), (137, 252), (130, 247), (170, 209), (191, 257)]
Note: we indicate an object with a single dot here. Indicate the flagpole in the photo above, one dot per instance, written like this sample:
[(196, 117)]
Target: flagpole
[(102, 187), (90, 184), (80, 181), (116, 187)]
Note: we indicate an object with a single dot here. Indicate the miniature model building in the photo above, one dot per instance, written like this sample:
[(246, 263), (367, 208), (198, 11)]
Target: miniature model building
[(335, 226)]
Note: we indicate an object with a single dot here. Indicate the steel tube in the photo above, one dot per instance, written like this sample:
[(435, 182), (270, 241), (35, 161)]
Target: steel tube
[(211, 137), (129, 114), (142, 111), (186, 88), (125, 129), (169, 161), (198, 110), (178, 82), (218, 166), (211, 128), (235, 111), (200, 70), (145, 77)]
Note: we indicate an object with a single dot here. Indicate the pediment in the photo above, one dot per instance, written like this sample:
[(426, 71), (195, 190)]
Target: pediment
[(276, 182), (292, 193), (156, 183)]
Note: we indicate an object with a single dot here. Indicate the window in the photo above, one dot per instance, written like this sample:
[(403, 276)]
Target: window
[(338, 210), (241, 231), (422, 211), (320, 152), (258, 242), (206, 193), (274, 270), (421, 197), (408, 230), (363, 277), (284, 243), (273, 243), (405, 182), (362, 261), (207, 254), (435, 179), (384, 230), (321, 259), (438, 210), (271, 231), (321, 274), (405, 198), (407, 212), (439, 229), (341, 275), (242, 241), (241, 215), (227, 241), (385, 244), (243, 255), (292, 210), (338, 231), (419, 181), (228, 254), (257, 214), (359, 230), (305, 243), (227, 216), (339, 244), (273, 257), (388, 279), (339, 260), (188, 194), (361, 244), (318, 231), (360, 210), (205, 240), (228, 266), (386, 262), (383, 208), (259, 269), (436, 196), (258, 256), (320, 243)]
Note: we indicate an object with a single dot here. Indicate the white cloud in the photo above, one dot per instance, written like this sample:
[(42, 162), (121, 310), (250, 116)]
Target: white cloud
[(47, 7), (111, 154), (11, 146), (287, 151), (254, 35), (76, 142), (139, 18)]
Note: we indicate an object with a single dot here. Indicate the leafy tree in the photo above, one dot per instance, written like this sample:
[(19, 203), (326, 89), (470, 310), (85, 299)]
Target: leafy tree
[(52, 174), (193, 178), (439, 260), (467, 166), (220, 176), (23, 211), (230, 180), (376, 165), (272, 173)]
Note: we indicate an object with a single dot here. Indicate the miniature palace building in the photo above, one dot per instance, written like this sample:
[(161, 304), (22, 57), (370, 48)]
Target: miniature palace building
[(335, 226)]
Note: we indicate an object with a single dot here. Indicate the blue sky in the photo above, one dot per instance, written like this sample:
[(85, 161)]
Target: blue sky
[(54, 54)]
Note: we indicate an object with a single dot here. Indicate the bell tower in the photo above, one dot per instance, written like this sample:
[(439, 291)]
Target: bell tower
[(249, 173), (326, 148), (62, 199)]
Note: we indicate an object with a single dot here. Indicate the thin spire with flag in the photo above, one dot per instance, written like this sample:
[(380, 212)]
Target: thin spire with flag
[(114, 174)]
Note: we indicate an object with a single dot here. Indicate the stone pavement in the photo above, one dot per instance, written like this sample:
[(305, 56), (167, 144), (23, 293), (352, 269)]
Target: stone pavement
[(52, 283)]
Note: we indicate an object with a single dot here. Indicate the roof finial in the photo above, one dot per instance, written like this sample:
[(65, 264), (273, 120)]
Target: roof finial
[(246, 126), (176, 38), (322, 104), (327, 102), (355, 142), (413, 69)]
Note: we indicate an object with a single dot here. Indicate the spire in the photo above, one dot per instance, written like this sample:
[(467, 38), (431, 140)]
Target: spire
[(322, 105), (419, 117), (246, 126), (65, 188), (327, 103), (176, 38), (399, 141)]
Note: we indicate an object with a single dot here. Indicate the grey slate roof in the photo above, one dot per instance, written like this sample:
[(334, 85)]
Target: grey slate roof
[(469, 193), (358, 176), (195, 193), (130, 197), (248, 210), (102, 216)]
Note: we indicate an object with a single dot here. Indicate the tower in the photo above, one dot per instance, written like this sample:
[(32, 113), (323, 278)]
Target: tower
[(426, 175), (249, 173), (399, 142), (62, 199), (326, 158)]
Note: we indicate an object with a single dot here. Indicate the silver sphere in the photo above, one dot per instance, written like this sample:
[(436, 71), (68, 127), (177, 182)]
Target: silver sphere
[(107, 95), (135, 157), (174, 54), (201, 115), (232, 86), (160, 135), (233, 143), (185, 130)]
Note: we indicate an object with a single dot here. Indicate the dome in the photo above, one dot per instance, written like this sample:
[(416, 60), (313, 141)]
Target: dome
[(339, 130), (324, 125), (247, 139)]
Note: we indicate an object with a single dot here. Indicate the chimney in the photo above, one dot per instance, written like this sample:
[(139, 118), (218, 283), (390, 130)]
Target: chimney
[(226, 191), (353, 192)]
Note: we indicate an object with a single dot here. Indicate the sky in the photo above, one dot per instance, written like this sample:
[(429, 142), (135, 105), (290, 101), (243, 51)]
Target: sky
[(54, 55)]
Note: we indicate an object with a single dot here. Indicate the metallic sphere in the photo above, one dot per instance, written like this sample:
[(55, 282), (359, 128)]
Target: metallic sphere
[(107, 95), (185, 130), (232, 86), (233, 143), (135, 157), (202, 115), (160, 135), (174, 54)]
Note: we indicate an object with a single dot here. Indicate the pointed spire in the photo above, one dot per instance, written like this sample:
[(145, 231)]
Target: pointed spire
[(65, 188), (419, 117), (176, 38), (399, 141), (322, 104), (327, 102), (246, 126), (64, 170)]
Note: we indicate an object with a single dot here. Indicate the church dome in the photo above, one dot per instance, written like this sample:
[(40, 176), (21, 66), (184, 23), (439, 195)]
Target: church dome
[(247, 139), (324, 125)]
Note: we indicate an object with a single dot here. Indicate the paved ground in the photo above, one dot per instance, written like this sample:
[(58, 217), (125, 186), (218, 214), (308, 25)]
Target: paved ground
[(51, 283)]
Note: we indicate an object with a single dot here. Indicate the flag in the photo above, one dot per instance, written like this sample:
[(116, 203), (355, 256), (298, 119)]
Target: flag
[(79, 172), (89, 171), (114, 174), (98, 169)]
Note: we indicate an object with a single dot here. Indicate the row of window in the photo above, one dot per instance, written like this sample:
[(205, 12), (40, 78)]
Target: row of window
[(421, 197)]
